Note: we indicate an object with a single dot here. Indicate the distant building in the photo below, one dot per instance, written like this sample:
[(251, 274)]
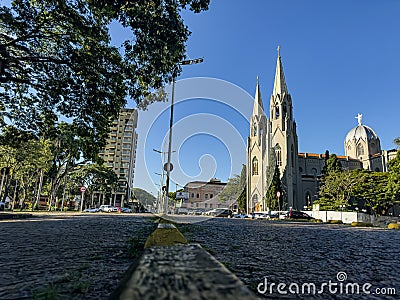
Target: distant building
[(299, 171), (203, 194), (120, 153)]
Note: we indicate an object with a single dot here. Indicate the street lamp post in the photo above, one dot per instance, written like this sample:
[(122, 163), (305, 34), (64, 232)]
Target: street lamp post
[(171, 120), (160, 203)]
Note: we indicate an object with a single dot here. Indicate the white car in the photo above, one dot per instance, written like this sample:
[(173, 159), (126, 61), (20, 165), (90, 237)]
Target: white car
[(92, 210), (108, 208)]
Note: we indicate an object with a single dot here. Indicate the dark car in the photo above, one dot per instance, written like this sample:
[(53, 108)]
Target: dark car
[(221, 212), (294, 214)]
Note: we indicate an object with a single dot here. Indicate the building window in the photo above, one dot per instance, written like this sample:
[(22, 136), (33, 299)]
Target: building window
[(206, 196), (205, 205), (255, 166), (314, 172), (255, 198), (278, 153), (192, 195), (276, 112), (197, 195), (360, 150), (210, 205), (377, 170), (211, 195), (254, 129)]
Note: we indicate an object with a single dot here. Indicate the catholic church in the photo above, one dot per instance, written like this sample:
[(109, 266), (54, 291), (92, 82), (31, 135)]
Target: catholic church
[(273, 141)]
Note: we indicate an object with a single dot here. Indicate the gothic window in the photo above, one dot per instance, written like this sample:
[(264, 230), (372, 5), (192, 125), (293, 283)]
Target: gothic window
[(276, 112), (254, 129), (278, 153), (255, 198), (360, 149), (314, 172), (255, 166), (284, 111)]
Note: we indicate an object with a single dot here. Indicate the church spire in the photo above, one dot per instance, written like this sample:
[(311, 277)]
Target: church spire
[(258, 107), (280, 83)]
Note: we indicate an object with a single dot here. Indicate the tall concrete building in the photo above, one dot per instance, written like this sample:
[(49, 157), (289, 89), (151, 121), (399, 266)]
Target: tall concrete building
[(273, 141), (120, 153)]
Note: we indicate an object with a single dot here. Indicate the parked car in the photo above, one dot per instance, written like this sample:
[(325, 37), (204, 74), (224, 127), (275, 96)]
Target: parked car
[(108, 208), (295, 214), (126, 210), (92, 210), (221, 212), (261, 215)]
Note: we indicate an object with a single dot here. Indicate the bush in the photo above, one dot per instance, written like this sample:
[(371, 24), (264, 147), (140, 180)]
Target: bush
[(362, 224), (334, 222)]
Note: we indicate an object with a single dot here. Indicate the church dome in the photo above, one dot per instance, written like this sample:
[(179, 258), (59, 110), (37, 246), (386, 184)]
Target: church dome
[(361, 132)]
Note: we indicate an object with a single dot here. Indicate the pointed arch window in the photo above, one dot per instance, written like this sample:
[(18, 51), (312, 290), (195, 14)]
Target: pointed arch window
[(360, 149), (278, 153), (255, 198), (276, 112), (254, 129), (254, 166)]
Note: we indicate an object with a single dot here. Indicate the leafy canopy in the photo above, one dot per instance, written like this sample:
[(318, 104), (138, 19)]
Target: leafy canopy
[(57, 61)]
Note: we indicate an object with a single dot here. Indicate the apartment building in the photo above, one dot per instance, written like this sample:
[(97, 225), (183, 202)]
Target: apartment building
[(120, 153)]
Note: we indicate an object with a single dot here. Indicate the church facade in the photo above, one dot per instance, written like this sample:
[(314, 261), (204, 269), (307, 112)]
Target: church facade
[(273, 141)]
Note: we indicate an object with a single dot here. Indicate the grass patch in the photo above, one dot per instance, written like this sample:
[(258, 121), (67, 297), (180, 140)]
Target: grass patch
[(49, 292), (135, 247)]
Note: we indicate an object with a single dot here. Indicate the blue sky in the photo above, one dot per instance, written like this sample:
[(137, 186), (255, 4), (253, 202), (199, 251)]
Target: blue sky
[(340, 58)]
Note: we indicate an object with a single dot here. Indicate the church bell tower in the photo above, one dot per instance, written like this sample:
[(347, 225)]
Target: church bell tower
[(284, 136)]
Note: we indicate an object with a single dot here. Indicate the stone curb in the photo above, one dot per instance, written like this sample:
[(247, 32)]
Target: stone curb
[(170, 268), (181, 272)]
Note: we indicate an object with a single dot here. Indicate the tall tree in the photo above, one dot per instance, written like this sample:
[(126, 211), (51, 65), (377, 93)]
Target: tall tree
[(394, 178), (337, 189), (271, 195), (373, 191), (57, 61)]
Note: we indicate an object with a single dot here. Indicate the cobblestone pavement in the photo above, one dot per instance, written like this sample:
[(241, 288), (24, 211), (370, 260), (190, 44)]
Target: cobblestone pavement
[(68, 256), (285, 252)]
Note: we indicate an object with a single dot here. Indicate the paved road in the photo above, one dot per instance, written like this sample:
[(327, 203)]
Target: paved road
[(300, 253), (85, 256), (70, 257)]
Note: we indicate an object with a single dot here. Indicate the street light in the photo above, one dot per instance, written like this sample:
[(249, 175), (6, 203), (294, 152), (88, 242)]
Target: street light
[(171, 120), (160, 200)]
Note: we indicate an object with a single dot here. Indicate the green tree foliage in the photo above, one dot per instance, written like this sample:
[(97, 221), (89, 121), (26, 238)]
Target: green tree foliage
[(25, 156), (336, 189), (372, 191), (57, 60), (234, 188), (394, 178), (397, 142), (332, 164), (271, 195), (241, 201), (97, 178), (144, 197)]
